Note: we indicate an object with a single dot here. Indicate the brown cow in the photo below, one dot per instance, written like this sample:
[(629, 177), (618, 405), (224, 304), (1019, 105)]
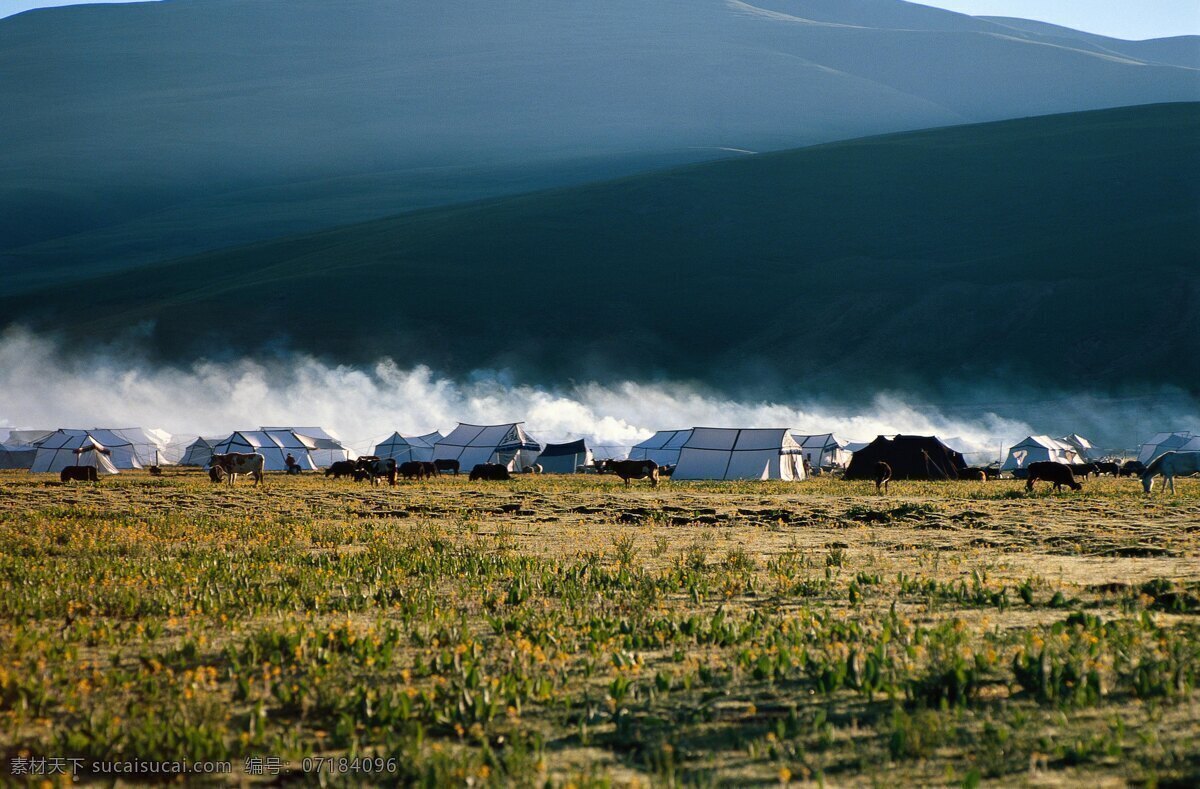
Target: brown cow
[(1048, 471), (235, 463)]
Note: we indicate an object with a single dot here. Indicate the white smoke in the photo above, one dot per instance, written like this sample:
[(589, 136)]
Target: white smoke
[(41, 387)]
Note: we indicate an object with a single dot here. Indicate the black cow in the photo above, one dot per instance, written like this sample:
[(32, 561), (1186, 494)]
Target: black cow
[(1048, 471), (431, 469), (79, 473), (973, 474), (489, 471), (1084, 470), (1107, 467), (632, 469), (883, 475), (1133, 468), (412, 469), (342, 468), (447, 464), (376, 468), (216, 474)]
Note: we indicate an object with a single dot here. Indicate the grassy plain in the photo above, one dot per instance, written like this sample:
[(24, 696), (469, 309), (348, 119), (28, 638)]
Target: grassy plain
[(570, 631)]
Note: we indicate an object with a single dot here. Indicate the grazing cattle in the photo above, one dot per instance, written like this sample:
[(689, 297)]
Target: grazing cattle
[(216, 474), (447, 464), (155, 471), (377, 468), (341, 468), (490, 471), (666, 471), (883, 475), (235, 463), (431, 469), (1132, 468), (1048, 471), (79, 474), (1170, 465), (1107, 467), (632, 469), (973, 474), (413, 469), (1084, 470), (536, 468)]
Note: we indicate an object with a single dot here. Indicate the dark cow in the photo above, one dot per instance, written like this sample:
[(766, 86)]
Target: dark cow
[(490, 471), (413, 469), (79, 474), (377, 468), (1048, 471), (536, 468), (632, 469), (1133, 468), (235, 463), (342, 468), (216, 474), (666, 471), (973, 474), (883, 475), (1107, 467), (1084, 470), (431, 469), (447, 464)]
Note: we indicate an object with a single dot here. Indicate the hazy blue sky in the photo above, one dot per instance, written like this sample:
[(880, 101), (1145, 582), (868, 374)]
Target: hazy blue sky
[(1120, 18)]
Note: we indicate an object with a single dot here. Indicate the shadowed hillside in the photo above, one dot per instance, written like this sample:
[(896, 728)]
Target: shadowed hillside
[(1062, 247), (164, 129)]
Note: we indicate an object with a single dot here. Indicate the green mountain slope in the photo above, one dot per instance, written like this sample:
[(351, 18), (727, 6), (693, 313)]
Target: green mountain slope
[(1056, 250)]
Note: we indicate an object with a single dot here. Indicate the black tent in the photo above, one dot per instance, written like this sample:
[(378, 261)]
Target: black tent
[(564, 458), (911, 457)]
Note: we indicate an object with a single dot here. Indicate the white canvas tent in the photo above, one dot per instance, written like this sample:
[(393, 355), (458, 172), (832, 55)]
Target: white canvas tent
[(1039, 449), (405, 448), (274, 446), (610, 452), (731, 453), (28, 438), (327, 448), (565, 458), (1164, 442), (17, 456), (199, 452), (470, 445), (663, 447), (1084, 448), (147, 447), (72, 448), (823, 450)]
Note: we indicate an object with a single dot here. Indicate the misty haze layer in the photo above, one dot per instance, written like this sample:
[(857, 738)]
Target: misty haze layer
[(253, 119), (111, 387), (1054, 252)]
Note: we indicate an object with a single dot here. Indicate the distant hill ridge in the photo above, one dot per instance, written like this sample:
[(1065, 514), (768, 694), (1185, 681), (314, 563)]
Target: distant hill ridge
[(1047, 251), (137, 131)]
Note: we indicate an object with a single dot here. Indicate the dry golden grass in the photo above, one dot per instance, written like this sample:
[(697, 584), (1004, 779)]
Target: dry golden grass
[(572, 630)]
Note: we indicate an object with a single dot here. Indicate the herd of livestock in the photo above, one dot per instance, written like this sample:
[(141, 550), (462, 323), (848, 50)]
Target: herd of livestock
[(496, 452)]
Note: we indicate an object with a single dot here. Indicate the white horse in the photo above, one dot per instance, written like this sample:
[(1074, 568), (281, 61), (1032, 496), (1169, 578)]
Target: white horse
[(1171, 465)]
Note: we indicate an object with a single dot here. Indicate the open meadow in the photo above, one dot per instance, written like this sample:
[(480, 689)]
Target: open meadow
[(567, 630)]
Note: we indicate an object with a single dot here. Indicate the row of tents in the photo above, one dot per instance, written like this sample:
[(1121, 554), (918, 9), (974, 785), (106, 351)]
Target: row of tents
[(696, 453)]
